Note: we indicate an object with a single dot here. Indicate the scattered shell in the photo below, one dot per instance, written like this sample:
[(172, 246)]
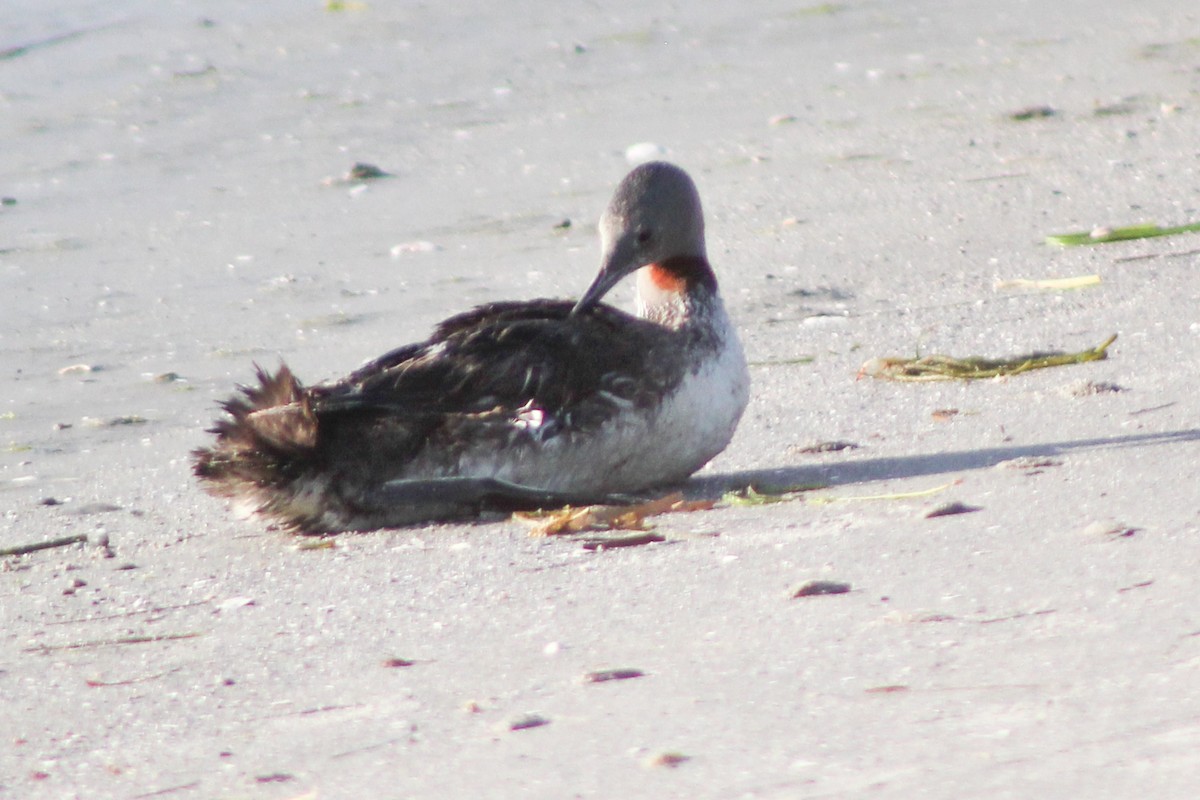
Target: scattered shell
[(892, 689), (1089, 388), (944, 414), (105, 546), (359, 174), (827, 447), (79, 369), (95, 508), (814, 588), (605, 675), (669, 759), (1110, 530), (642, 152), (1032, 112), (112, 422), (525, 721), (234, 602), (1030, 462), (419, 246)]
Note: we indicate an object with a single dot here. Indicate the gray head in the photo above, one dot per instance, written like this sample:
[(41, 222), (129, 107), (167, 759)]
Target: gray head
[(654, 215)]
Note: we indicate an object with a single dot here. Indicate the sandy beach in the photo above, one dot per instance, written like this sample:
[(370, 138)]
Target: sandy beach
[(878, 179)]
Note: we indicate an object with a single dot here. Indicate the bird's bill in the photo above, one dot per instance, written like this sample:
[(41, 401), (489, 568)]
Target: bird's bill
[(616, 265)]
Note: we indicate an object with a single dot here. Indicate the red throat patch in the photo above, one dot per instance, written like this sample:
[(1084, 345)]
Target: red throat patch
[(665, 279)]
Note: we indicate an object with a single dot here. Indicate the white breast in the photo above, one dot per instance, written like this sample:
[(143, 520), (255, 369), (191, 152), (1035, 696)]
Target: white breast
[(698, 420), (638, 449)]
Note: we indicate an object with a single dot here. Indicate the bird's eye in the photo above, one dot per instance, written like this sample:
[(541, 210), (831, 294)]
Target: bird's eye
[(644, 236)]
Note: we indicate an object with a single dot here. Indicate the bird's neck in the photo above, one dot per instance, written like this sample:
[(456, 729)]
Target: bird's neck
[(676, 291)]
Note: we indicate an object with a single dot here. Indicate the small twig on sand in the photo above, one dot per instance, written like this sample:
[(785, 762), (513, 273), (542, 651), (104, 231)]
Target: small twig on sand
[(97, 683), (21, 550), (124, 614), (631, 540), (169, 637), (7, 53), (169, 790)]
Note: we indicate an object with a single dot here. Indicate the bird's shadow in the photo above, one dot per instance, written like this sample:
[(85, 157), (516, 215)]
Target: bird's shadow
[(713, 486)]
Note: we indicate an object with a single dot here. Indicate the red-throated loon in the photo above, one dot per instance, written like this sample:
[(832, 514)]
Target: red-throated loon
[(510, 405)]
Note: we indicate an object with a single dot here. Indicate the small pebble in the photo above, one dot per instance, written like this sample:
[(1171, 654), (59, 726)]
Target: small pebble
[(951, 509), (365, 172)]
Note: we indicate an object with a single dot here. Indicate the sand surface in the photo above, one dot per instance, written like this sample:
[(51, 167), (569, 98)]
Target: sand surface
[(866, 189)]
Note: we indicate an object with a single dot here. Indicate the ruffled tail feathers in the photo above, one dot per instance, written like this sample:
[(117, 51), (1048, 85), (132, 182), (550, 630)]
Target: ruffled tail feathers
[(270, 432)]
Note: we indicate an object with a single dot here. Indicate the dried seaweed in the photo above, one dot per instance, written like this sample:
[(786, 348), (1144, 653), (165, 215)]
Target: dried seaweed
[(591, 518), (750, 496), (947, 368)]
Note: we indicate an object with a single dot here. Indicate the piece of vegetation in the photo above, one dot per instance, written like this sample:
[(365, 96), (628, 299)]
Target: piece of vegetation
[(947, 368), (1102, 235)]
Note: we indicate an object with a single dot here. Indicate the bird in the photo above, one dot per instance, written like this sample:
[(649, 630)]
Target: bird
[(514, 405)]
